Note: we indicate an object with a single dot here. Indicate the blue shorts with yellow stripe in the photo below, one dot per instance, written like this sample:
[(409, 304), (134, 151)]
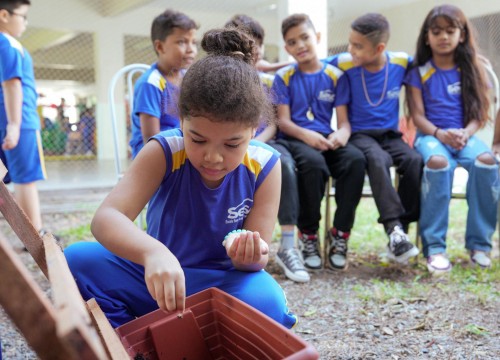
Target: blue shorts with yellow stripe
[(25, 162)]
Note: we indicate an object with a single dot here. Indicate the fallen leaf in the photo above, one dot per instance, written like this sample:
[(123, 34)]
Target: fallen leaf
[(387, 331), (420, 326), (309, 312), (393, 301), (416, 299)]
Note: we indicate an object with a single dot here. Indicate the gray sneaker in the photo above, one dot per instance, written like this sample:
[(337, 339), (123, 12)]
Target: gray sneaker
[(337, 252), (308, 245), (289, 260)]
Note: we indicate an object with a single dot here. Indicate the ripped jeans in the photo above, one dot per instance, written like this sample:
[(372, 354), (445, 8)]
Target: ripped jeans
[(481, 194)]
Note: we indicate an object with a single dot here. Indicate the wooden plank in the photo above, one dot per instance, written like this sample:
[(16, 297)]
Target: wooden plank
[(73, 320), (28, 307), (20, 223), (109, 337)]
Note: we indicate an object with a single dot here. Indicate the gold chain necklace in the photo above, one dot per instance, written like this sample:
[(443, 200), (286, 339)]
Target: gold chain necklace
[(367, 96)]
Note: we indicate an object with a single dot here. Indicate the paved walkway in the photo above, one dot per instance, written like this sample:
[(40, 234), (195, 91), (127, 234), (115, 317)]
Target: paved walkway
[(72, 200)]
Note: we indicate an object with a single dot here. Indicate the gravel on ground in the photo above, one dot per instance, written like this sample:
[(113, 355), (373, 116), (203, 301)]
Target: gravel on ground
[(342, 314)]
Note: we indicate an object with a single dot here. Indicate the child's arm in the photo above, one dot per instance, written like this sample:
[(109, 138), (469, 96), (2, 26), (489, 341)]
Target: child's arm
[(268, 133), (417, 111), (496, 136), (150, 126), (13, 97), (311, 138), (250, 251), (266, 66), (340, 137), (113, 227)]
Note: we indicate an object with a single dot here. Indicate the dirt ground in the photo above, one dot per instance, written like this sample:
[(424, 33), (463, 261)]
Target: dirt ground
[(344, 315)]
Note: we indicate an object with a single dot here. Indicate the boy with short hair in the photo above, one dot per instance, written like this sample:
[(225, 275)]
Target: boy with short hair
[(19, 120), (375, 77), (157, 90), (307, 93)]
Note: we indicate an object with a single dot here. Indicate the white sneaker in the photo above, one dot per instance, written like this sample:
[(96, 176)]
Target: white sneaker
[(289, 260), (480, 258), (438, 264)]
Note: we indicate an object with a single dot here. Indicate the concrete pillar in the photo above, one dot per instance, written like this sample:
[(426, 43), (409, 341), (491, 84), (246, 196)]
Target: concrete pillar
[(317, 11), (109, 58)]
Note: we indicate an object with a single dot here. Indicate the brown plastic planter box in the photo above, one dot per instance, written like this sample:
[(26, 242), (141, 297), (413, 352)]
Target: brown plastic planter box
[(215, 326)]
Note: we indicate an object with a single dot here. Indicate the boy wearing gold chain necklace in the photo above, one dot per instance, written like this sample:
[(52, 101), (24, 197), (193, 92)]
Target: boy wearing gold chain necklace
[(307, 93), (375, 77)]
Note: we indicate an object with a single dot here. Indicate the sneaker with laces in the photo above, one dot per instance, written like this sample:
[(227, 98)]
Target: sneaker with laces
[(337, 251), (400, 248), (438, 264), (480, 258), (308, 245), (290, 262)]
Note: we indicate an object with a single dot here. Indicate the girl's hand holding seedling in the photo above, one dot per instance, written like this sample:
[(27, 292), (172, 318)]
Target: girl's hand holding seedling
[(245, 248)]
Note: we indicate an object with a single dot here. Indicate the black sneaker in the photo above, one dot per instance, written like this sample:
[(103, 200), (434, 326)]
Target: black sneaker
[(290, 262), (400, 248), (308, 244), (337, 252)]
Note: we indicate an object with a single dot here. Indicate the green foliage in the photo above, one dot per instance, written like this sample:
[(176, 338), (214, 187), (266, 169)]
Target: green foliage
[(75, 234), (382, 291), (368, 241), (476, 330)]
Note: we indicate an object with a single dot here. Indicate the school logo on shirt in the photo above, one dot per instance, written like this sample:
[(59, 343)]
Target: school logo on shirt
[(393, 93), (454, 89), (239, 212), (326, 95)]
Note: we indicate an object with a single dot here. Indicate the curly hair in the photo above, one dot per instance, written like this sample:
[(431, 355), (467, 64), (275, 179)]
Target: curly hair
[(224, 86), (248, 24)]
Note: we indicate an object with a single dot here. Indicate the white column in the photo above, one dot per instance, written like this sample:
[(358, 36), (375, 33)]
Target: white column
[(109, 58), (317, 10)]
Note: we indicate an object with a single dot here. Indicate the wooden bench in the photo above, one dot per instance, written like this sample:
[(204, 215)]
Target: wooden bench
[(330, 194), (65, 328)]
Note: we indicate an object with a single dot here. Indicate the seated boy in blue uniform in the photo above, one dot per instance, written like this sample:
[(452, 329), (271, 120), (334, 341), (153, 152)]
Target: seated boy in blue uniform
[(375, 77), (156, 92)]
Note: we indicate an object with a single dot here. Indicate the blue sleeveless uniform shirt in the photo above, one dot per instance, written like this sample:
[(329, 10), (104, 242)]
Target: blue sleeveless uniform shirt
[(192, 219)]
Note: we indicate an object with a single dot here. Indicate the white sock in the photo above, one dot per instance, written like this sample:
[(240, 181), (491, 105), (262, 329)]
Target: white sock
[(287, 239)]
